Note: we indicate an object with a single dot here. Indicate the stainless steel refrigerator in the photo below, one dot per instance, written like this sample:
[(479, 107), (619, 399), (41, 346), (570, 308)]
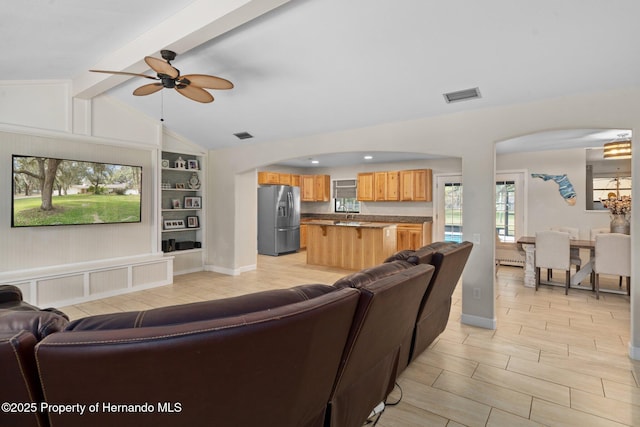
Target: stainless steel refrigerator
[(278, 219)]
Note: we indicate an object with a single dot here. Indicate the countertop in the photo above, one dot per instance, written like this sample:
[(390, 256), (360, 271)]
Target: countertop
[(395, 219), (348, 223)]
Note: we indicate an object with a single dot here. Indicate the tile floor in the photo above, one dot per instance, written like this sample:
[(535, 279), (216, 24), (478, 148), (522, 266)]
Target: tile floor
[(554, 360)]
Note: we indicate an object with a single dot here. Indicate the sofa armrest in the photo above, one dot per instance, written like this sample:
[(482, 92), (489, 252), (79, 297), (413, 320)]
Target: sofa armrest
[(10, 293), (19, 378), (38, 323)]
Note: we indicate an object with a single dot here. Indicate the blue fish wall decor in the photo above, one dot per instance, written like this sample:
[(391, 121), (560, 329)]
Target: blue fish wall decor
[(564, 186)]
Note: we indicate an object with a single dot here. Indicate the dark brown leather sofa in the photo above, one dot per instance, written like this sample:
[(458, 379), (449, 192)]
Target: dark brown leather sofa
[(312, 355), (386, 315), (449, 260), (22, 325)]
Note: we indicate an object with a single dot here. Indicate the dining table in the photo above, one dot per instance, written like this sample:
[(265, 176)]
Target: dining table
[(527, 245)]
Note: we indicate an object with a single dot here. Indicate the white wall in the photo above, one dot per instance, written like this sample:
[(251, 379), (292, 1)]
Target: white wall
[(37, 104), (37, 247), (64, 265), (546, 208)]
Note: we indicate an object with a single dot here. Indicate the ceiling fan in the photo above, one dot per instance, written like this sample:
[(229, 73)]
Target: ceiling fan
[(190, 85)]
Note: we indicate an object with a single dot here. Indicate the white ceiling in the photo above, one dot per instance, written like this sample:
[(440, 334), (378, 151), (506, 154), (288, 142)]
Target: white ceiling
[(315, 66)]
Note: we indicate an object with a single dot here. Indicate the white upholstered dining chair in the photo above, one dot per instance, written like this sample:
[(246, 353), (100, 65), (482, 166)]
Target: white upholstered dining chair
[(593, 233), (612, 256), (574, 253), (552, 252)]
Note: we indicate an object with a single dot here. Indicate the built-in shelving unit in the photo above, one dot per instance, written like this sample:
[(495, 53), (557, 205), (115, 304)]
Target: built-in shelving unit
[(182, 211)]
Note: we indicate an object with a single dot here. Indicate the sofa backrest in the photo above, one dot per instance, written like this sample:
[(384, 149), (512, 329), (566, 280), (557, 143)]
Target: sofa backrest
[(386, 314), (449, 262), (206, 310), (368, 275), (19, 380), (274, 367)]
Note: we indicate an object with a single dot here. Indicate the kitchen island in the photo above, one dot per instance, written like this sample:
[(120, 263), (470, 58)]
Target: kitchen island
[(351, 245)]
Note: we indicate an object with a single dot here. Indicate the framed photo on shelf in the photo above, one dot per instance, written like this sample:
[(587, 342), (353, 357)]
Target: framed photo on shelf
[(170, 224), (175, 204), (180, 185), (192, 164), (193, 222), (194, 202)]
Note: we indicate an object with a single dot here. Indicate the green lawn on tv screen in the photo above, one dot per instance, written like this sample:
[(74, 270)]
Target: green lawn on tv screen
[(77, 209)]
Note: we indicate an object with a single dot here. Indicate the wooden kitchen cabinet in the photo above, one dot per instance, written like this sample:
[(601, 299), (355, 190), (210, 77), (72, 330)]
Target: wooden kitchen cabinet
[(405, 185), (284, 179), (266, 178), (350, 247), (416, 185), (307, 188), (315, 188), (413, 236), (322, 188), (303, 236), (386, 186), (366, 191), (276, 178)]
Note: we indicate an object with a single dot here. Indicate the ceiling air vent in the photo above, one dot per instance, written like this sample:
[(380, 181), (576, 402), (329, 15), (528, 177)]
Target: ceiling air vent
[(243, 135), (462, 95)]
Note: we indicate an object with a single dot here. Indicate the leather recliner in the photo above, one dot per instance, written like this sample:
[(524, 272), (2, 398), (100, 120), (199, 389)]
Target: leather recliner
[(196, 367), (386, 314), (22, 326)]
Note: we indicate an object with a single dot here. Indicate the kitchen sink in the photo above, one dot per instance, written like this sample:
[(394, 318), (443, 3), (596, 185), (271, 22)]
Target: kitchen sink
[(348, 223)]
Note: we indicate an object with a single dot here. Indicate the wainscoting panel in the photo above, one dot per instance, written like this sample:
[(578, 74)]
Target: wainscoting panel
[(60, 288), (108, 280), (62, 285), (150, 273)]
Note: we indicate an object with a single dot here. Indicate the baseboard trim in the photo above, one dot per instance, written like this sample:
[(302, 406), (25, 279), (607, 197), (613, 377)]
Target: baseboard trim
[(634, 352), (230, 271), (481, 322)]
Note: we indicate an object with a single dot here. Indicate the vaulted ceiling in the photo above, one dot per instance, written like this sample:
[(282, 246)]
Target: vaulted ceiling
[(303, 67)]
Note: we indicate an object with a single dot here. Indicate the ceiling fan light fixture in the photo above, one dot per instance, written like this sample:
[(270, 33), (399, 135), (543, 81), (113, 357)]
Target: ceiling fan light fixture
[(617, 150), (191, 86)]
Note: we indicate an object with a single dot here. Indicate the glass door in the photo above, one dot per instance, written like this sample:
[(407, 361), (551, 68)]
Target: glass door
[(449, 213)]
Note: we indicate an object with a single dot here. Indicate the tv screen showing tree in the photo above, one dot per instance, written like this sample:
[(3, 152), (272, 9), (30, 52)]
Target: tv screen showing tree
[(48, 191)]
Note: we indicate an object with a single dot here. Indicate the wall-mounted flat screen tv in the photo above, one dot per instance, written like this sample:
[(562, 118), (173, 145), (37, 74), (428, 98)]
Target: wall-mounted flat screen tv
[(49, 191)]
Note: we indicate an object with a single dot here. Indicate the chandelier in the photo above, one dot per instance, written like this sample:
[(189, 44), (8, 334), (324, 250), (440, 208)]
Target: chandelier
[(618, 149)]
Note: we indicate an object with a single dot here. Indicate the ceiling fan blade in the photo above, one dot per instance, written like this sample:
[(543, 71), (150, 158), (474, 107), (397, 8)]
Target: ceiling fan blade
[(124, 73), (209, 82), (148, 89), (195, 93), (161, 67)]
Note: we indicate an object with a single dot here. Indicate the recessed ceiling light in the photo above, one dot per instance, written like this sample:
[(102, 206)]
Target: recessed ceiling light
[(368, 157), (315, 162)]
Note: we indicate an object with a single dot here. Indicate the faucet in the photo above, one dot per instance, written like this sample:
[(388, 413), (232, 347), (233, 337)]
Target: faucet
[(350, 216)]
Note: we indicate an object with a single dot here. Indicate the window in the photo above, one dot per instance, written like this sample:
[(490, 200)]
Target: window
[(509, 207), (345, 193), (505, 210), (453, 211)]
